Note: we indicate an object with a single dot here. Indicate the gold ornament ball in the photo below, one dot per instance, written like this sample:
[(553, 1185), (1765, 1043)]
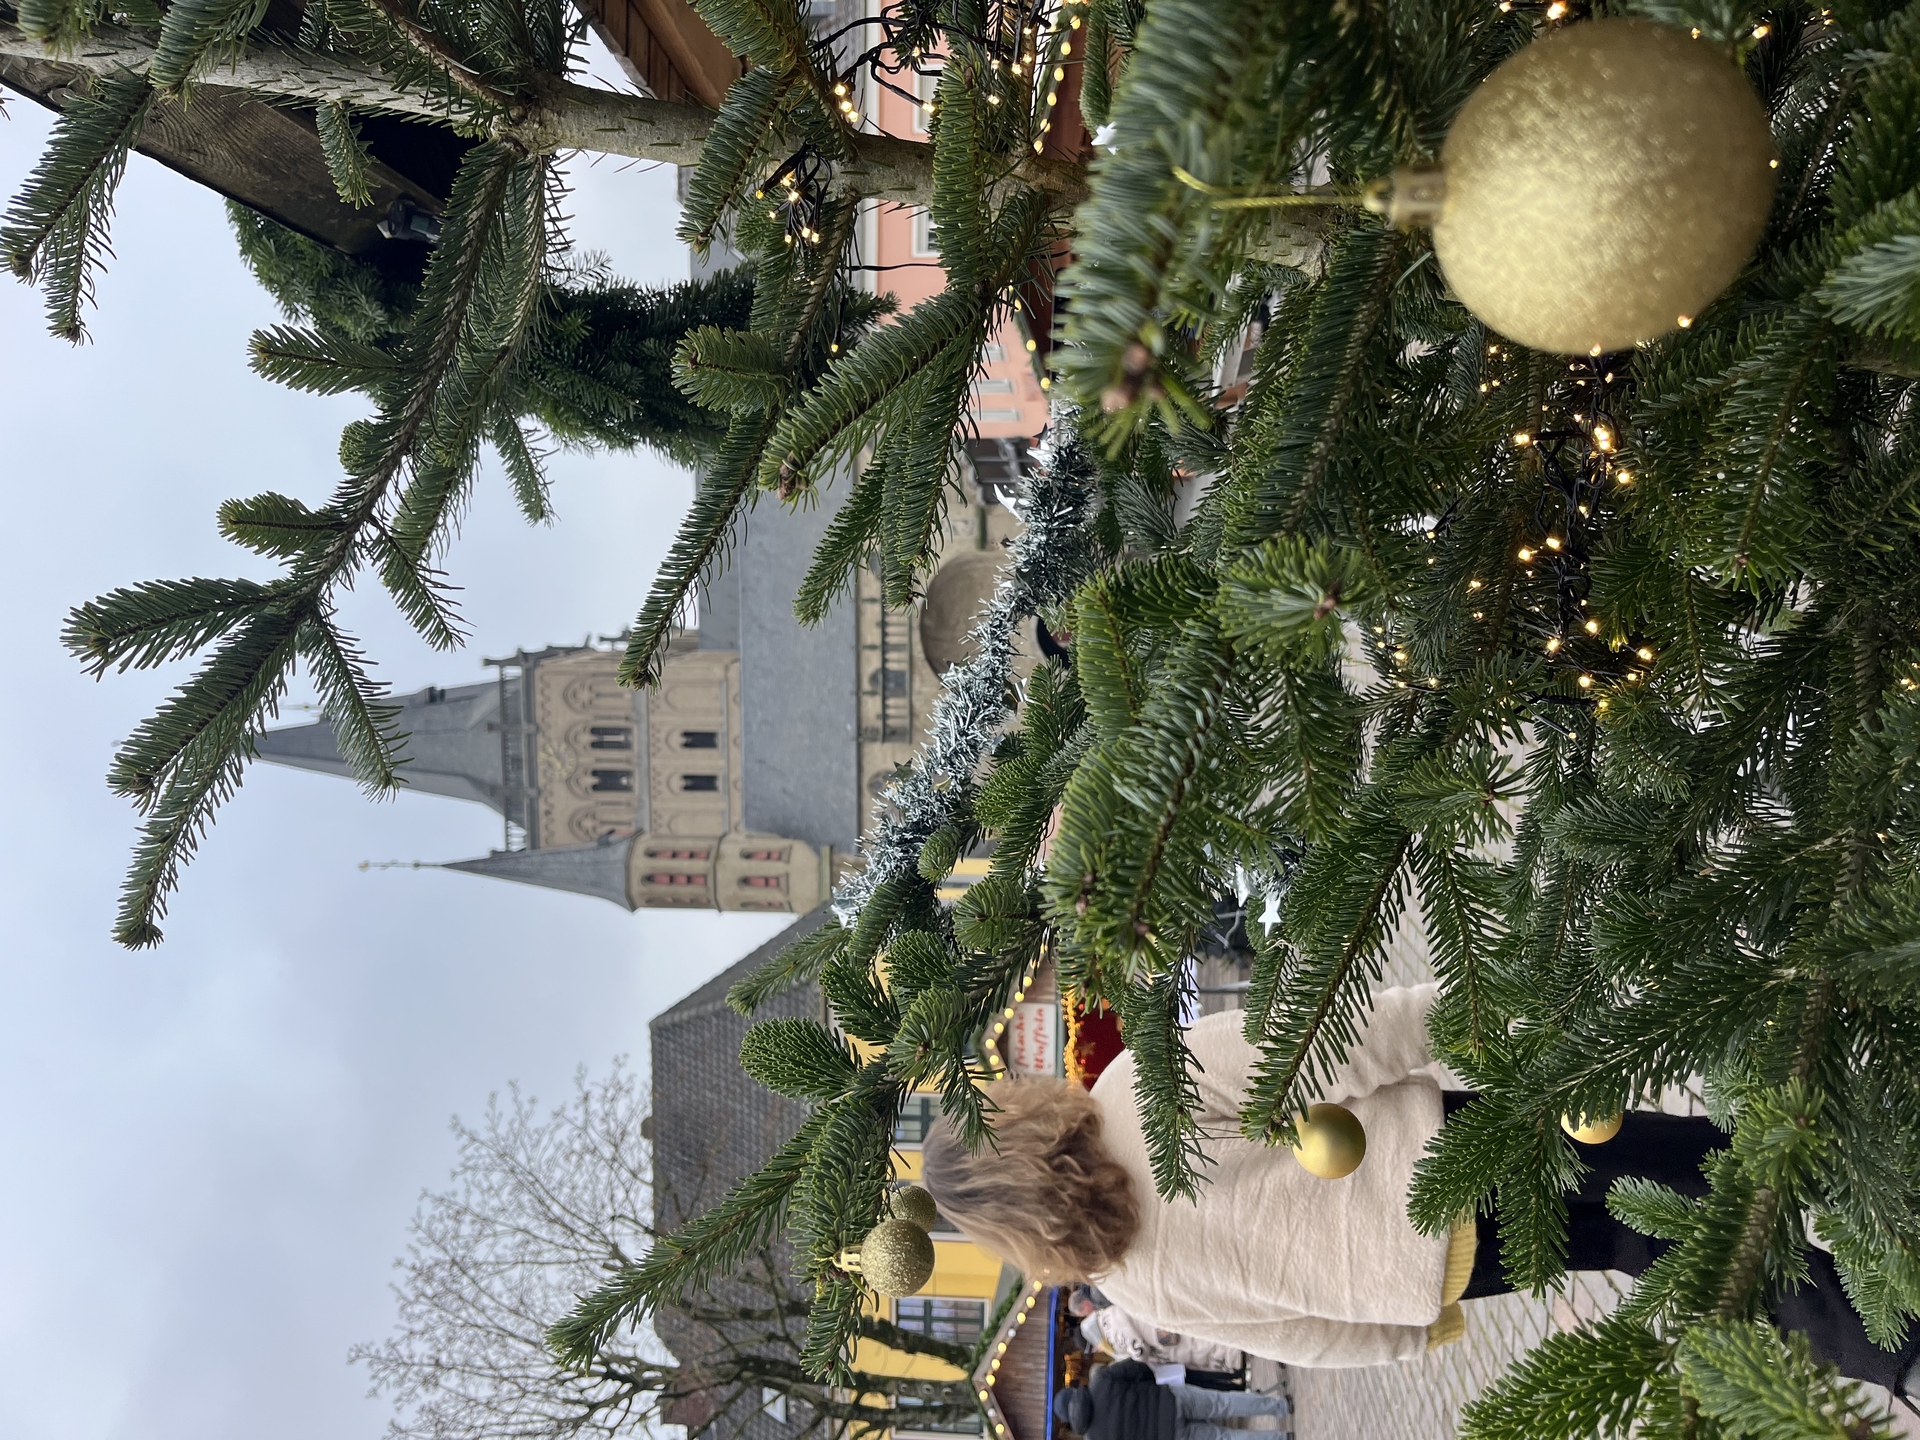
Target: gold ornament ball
[(896, 1258), (1332, 1141), (1603, 186), (912, 1203), (1593, 1132)]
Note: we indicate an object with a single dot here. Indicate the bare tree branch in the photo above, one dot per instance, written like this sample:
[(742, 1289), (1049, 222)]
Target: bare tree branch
[(540, 1206)]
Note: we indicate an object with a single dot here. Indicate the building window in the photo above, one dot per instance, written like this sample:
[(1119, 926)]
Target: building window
[(611, 737), (926, 235), (699, 739), (993, 387), (618, 782), (924, 89), (678, 854), (762, 882), (958, 1322), (699, 782), (661, 878), (778, 855), (911, 1425), (914, 1120)]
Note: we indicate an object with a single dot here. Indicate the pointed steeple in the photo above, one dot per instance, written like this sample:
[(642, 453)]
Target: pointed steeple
[(599, 869), (452, 747)]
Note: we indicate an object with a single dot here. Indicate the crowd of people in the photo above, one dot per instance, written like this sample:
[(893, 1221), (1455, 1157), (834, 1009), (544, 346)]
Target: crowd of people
[(1153, 1384)]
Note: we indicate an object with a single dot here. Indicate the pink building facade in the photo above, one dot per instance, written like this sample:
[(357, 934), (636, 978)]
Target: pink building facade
[(1008, 400)]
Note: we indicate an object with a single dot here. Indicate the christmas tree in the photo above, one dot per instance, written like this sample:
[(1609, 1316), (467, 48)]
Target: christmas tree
[(1599, 669)]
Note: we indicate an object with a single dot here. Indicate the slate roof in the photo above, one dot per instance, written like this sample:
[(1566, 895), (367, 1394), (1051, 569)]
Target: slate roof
[(799, 706), (713, 1125), (452, 747), (598, 869)]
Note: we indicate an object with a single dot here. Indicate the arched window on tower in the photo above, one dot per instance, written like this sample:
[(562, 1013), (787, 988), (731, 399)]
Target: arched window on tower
[(611, 737), (617, 782)]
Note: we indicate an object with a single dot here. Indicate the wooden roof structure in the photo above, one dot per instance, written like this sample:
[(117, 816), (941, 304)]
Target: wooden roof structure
[(1022, 1366), (666, 48), (268, 157)]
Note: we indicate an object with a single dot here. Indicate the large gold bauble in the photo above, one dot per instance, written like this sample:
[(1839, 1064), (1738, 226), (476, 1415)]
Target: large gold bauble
[(910, 1202), (1593, 1132), (1603, 186), (1332, 1141), (896, 1258)]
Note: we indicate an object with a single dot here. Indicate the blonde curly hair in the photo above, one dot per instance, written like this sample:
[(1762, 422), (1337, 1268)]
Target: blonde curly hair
[(1043, 1194)]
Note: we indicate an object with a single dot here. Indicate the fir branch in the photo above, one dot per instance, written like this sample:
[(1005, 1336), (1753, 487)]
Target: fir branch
[(1165, 1091), (700, 547), (714, 1243), (143, 626), (346, 153), (798, 963), (191, 31), (54, 233), (739, 138)]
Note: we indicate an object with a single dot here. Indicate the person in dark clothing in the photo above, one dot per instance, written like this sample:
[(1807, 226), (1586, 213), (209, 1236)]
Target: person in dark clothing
[(1122, 1402), (1670, 1149)]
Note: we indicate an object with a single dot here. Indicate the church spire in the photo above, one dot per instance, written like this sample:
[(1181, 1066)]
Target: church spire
[(452, 747)]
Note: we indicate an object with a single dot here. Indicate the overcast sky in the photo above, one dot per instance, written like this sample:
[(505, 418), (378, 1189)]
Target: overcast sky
[(211, 1150)]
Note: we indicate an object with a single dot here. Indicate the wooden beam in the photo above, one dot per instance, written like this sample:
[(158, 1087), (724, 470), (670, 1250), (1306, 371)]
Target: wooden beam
[(265, 156), (562, 116)]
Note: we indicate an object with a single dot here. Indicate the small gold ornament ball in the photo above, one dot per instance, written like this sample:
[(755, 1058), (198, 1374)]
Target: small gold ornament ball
[(910, 1202), (1332, 1141), (1592, 1132), (1603, 186), (896, 1258)]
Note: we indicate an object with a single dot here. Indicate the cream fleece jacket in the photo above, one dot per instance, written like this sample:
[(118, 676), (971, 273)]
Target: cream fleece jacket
[(1273, 1260)]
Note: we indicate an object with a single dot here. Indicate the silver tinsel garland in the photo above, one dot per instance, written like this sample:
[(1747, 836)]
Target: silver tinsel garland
[(1050, 557)]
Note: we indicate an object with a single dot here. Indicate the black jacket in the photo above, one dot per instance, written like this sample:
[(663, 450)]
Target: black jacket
[(1128, 1405)]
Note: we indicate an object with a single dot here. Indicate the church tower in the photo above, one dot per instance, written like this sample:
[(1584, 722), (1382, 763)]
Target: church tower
[(742, 780), (632, 796)]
